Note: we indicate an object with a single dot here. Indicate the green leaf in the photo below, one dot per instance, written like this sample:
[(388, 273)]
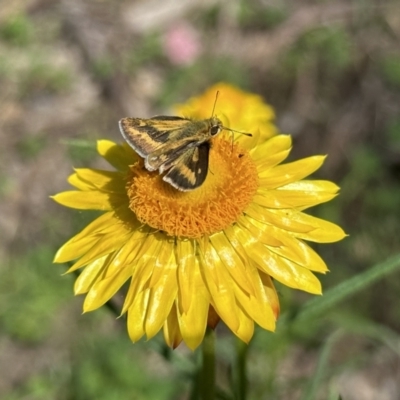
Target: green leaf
[(334, 296), (310, 392)]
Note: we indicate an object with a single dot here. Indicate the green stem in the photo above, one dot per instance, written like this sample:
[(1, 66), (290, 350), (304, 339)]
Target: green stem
[(241, 377), (207, 375)]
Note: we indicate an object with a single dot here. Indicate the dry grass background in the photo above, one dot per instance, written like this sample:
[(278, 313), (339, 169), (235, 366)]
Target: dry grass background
[(70, 69)]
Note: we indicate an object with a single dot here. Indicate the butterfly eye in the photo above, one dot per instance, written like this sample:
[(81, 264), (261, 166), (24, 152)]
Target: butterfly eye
[(214, 130)]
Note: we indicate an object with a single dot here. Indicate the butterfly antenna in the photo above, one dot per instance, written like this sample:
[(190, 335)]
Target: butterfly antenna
[(242, 133), (228, 129), (215, 103)]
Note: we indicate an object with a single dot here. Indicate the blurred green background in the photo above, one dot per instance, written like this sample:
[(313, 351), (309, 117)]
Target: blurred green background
[(70, 69)]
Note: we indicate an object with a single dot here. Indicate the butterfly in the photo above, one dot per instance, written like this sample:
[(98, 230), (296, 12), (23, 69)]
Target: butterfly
[(176, 146)]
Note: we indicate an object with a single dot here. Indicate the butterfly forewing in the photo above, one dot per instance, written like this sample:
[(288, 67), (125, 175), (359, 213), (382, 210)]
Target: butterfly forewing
[(148, 135)]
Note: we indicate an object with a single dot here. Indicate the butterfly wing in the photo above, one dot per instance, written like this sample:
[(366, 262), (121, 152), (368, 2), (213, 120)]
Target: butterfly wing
[(148, 135), (189, 170), (164, 157)]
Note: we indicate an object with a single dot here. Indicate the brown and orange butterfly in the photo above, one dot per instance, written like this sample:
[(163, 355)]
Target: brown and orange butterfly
[(178, 147)]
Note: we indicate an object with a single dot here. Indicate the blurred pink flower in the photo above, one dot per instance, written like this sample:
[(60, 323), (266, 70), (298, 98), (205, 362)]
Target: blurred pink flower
[(182, 44)]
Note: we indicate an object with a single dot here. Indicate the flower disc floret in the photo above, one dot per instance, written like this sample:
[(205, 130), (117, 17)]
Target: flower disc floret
[(229, 188)]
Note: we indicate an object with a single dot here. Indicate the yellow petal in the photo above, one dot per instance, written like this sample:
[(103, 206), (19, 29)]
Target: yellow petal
[(130, 297), (313, 261), (91, 200), (258, 308), (193, 298), (219, 285), (232, 261), (162, 297), (164, 263), (73, 249), (260, 231), (172, 334), (137, 315), (143, 268), (245, 330), (106, 181), (119, 157), (277, 145), (271, 160), (285, 271), (189, 278), (90, 275), (277, 198), (270, 292), (323, 232), (280, 218), (312, 186), (264, 199), (106, 244), (128, 253), (75, 181), (287, 173), (193, 323), (103, 290), (303, 278), (84, 240), (299, 224), (289, 246)]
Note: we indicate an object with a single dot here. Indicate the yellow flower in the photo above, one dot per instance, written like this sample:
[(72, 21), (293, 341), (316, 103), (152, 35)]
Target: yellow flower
[(192, 258), (240, 110)]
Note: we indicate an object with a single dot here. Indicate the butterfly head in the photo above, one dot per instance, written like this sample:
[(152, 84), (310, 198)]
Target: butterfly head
[(215, 126)]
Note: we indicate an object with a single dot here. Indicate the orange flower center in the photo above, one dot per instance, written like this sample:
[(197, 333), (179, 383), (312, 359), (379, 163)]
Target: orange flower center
[(229, 187)]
